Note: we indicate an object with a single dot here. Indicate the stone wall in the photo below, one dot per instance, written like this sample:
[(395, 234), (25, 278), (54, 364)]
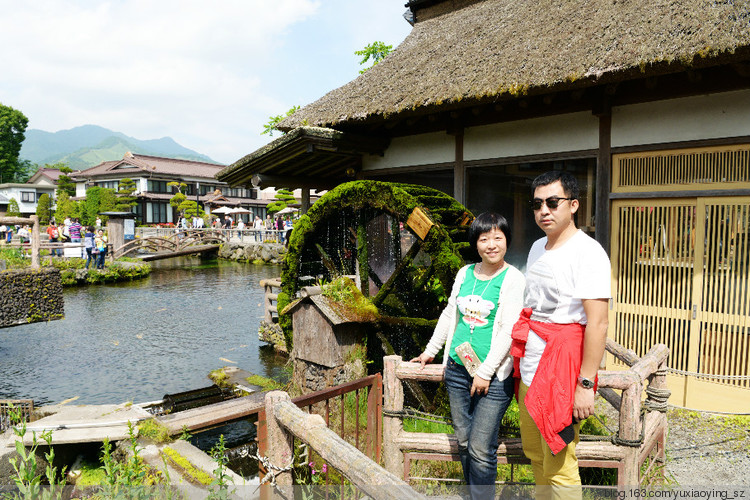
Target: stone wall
[(259, 253), (310, 377), (30, 295)]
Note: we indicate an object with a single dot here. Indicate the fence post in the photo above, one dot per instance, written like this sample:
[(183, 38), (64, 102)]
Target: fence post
[(35, 242), (280, 452), (630, 429), (393, 457)]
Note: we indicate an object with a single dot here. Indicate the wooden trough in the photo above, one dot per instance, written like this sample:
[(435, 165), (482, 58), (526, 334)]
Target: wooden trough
[(640, 438)]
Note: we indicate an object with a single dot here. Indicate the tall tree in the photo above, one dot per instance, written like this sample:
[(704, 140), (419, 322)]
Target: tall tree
[(125, 199), (65, 207), (64, 182), (13, 210), (44, 208), (282, 199), (13, 125), (375, 51)]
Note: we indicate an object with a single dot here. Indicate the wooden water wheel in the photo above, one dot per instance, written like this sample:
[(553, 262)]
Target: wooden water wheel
[(401, 243)]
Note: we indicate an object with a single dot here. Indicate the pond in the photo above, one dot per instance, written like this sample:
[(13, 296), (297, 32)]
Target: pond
[(141, 340)]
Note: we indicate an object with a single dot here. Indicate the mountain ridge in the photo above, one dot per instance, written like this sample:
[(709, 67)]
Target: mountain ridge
[(89, 145)]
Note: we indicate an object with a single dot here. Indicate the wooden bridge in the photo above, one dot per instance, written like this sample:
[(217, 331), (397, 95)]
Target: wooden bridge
[(185, 242)]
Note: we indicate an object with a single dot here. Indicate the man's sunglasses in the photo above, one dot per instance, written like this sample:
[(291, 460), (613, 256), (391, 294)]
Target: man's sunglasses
[(552, 202)]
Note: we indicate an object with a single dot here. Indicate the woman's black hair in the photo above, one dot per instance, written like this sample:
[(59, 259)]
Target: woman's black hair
[(486, 222)]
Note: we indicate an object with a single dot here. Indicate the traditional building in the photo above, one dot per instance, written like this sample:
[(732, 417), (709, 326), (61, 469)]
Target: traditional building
[(646, 102), (26, 195), (152, 174)]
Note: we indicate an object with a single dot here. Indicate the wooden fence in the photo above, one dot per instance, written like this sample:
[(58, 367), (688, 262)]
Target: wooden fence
[(35, 239), (640, 439)]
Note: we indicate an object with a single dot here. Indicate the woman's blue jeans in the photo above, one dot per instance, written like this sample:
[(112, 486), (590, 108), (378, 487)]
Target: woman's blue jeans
[(476, 423), (90, 257)]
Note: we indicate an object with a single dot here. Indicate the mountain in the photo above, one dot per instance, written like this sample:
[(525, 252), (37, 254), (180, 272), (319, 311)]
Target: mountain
[(88, 145)]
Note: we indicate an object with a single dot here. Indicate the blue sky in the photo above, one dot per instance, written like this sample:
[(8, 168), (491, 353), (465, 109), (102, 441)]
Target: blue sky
[(207, 74)]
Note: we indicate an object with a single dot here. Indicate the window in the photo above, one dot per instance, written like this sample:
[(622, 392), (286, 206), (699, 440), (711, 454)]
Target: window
[(28, 196), (158, 212), (109, 184), (159, 187)]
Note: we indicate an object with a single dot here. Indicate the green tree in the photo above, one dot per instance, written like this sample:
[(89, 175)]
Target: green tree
[(375, 51), (179, 201), (13, 125), (98, 199), (282, 199), (64, 182), (65, 207), (273, 121), (44, 208), (125, 199), (13, 210)]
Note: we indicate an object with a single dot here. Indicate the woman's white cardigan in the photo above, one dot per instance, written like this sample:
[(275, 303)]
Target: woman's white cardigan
[(510, 303)]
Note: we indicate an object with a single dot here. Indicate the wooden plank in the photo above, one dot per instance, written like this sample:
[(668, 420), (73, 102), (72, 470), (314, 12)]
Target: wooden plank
[(187, 251), (211, 415), (419, 222)]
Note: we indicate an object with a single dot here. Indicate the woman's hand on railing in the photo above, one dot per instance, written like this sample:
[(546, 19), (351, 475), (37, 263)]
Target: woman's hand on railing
[(423, 359)]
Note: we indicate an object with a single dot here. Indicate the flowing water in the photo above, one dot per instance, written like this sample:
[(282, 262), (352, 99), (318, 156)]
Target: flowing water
[(141, 340)]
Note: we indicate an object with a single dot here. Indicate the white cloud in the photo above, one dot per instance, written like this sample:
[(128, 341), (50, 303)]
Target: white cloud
[(204, 73)]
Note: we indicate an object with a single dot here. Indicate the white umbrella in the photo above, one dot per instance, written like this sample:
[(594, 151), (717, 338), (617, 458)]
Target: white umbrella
[(221, 210), (240, 210), (287, 210)]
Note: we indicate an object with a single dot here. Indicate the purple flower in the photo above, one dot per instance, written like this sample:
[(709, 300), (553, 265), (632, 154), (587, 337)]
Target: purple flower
[(324, 469)]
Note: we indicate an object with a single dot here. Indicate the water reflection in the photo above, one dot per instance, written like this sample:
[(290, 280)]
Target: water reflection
[(138, 341)]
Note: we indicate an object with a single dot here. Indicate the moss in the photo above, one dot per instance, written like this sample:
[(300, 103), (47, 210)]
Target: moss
[(91, 475), (192, 473), (265, 383), (154, 431), (219, 377), (348, 301), (396, 200)]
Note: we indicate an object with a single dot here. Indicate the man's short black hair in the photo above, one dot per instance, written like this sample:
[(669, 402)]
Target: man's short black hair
[(568, 181), (486, 222)]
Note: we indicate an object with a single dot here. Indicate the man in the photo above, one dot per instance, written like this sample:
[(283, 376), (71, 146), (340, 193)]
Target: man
[(558, 341), (75, 232), (54, 237), (258, 228)]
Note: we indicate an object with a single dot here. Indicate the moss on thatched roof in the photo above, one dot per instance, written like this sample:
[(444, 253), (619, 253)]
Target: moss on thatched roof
[(500, 49)]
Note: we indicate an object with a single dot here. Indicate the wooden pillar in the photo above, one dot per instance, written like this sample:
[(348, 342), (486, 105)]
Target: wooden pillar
[(459, 169), (630, 429), (279, 444), (305, 200), (604, 176), (35, 242), (393, 457)]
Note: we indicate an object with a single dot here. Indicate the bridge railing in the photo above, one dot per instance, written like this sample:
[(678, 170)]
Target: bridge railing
[(246, 235)]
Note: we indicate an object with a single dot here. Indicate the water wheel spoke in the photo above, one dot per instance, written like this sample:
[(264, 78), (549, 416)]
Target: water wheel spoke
[(400, 267), (327, 261)]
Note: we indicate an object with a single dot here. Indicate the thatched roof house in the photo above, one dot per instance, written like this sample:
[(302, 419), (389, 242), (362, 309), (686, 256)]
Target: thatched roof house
[(646, 102), (495, 51)]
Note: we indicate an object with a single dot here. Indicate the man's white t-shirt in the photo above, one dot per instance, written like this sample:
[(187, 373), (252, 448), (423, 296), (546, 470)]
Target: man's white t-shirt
[(557, 282)]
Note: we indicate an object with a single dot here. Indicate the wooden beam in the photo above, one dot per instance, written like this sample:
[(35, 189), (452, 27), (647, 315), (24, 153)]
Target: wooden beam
[(459, 170), (261, 181), (603, 177)]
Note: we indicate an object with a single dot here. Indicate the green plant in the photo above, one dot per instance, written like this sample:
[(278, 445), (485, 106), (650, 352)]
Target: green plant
[(185, 434), (27, 479), (126, 479), (265, 383), (193, 473), (154, 431), (219, 377), (219, 487)]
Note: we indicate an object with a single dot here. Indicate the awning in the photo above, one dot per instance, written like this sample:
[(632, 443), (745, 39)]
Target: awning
[(306, 157)]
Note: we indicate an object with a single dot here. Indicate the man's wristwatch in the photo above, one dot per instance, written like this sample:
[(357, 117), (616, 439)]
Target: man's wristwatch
[(586, 383)]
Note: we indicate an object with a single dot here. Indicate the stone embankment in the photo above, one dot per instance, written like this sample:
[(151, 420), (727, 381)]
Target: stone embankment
[(255, 252), (30, 295)]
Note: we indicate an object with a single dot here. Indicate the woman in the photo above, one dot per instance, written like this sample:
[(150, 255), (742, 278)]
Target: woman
[(483, 306), (100, 242), (90, 246)]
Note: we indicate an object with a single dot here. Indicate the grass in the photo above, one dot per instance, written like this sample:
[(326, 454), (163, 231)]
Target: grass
[(193, 474), (154, 431), (264, 383)]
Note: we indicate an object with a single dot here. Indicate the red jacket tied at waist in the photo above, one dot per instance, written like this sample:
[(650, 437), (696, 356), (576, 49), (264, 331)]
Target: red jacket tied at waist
[(550, 398)]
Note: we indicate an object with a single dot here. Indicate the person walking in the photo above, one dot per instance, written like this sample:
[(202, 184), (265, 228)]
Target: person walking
[(475, 329), (90, 246), (54, 238), (100, 241), (258, 228), (558, 341), (269, 227)]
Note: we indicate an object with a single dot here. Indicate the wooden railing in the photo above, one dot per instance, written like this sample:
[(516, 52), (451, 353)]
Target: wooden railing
[(35, 240), (367, 441), (284, 420), (270, 299), (641, 436)]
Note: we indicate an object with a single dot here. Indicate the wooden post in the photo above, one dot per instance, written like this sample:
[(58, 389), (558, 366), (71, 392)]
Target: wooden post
[(35, 243), (630, 429), (393, 457), (364, 474), (305, 201), (280, 452)]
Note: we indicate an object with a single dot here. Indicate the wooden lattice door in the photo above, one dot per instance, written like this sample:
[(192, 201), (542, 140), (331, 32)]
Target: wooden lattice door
[(680, 277)]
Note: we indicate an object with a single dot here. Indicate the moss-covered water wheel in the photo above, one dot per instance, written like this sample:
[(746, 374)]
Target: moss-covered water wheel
[(401, 243)]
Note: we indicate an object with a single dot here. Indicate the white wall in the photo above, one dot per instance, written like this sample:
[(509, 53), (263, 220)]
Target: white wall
[(423, 149), (690, 118), (551, 134)]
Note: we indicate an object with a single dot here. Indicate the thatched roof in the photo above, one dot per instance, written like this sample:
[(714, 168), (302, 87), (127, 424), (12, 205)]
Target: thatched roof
[(500, 49)]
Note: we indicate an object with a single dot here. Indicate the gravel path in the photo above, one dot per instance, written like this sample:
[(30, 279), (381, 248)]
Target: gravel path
[(702, 449)]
